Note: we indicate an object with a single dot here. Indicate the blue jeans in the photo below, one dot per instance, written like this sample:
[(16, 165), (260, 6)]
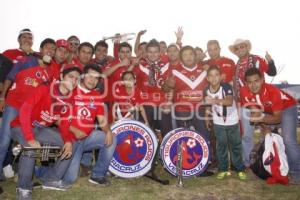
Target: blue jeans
[(247, 138), (96, 140), (9, 114), (289, 134), (26, 163), (87, 159)]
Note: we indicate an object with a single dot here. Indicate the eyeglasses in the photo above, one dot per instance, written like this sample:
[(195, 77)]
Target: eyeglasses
[(76, 43), (239, 47)]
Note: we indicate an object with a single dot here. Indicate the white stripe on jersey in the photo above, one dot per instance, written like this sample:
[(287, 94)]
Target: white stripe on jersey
[(191, 84)]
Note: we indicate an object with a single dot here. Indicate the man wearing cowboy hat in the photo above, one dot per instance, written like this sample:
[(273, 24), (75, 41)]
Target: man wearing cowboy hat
[(241, 48)]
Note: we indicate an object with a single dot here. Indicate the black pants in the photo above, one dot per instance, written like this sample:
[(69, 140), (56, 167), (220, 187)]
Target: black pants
[(194, 118), (158, 120)]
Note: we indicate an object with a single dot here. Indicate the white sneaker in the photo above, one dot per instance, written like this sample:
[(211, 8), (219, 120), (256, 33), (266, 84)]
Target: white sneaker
[(8, 171), (23, 194)]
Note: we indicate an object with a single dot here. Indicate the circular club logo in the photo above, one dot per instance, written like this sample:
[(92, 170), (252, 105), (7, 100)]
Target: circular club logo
[(135, 149), (195, 152)]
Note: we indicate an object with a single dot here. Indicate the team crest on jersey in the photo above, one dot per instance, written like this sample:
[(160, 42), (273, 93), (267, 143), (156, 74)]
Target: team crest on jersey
[(135, 149), (31, 81), (38, 74), (92, 102), (195, 152), (84, 112)]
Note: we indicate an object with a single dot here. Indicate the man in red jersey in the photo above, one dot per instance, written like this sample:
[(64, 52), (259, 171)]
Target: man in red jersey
[(25, 40), (226, 65), (74, 44), (151, 75), (50, 104), (102, 59), (276, 107), (84, 55), (241, 48), (88, 107), (24, 78), (190, 81), (60, 57)]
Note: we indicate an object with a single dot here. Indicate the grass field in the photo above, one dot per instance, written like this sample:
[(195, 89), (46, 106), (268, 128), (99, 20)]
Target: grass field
[(202, 188)]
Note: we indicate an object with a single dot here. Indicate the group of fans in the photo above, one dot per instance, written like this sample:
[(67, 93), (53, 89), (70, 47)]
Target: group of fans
[(69, 93)]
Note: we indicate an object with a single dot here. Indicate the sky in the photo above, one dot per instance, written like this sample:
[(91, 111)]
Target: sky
[(272, 26)]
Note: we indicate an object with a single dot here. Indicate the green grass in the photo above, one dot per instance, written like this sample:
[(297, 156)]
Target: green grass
[(203, 188)]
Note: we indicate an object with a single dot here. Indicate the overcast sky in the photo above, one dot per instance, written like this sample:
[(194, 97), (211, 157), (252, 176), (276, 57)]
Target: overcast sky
[(270, 25)]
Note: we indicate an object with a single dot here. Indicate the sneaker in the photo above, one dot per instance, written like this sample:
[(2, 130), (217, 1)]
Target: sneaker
[(222, 175), (55, 185), (100, 181), (23, 194), (242, 175), (8, 171)]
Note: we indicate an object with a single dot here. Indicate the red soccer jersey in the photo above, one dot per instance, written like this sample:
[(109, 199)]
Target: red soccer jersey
[(43, 108), (14, 54), (227, 67), (25, 85), (77, 63), (54, 69), (126, 101), (113, 79), (164, 58), (151, 89), (270, 99), (246, 63), (190, 84), (87, 105)]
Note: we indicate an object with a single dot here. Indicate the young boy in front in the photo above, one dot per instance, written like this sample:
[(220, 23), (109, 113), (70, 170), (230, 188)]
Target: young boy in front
[(219, 97)]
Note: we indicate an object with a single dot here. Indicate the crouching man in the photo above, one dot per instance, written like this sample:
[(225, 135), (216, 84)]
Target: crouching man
[(277, 107), (88, 107), (46, 107)]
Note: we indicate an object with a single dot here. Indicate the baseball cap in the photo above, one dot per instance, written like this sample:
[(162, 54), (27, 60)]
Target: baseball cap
[(62, 43), (25, 30)]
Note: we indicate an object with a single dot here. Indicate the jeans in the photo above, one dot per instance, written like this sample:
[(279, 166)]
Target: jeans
[(229, 136), (247, 138), (27, 163), (96, 140), (289, 134), (10, 113)]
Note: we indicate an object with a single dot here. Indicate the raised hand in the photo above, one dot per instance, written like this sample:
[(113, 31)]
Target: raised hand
[(268, 57), (142, 32), (179, 33)]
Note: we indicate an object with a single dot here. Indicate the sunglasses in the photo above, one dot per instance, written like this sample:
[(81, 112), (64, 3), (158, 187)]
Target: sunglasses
[(239, 47), (74, 43)]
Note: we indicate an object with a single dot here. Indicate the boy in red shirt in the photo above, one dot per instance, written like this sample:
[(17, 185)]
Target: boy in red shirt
[(127, 98), (277, 107)]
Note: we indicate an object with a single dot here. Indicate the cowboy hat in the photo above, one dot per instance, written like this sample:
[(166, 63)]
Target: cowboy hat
[(238, 42)]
